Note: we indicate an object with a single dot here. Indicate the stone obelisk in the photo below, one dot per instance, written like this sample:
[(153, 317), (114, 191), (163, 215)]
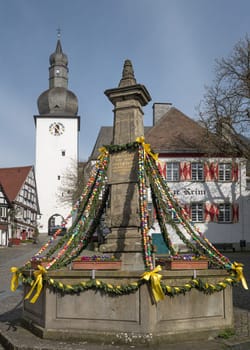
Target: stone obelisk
[(123, 215)]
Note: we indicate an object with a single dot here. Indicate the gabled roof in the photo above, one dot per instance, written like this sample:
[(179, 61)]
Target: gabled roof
[(4, 193), (175, 132), (105, 137), (12, 180)]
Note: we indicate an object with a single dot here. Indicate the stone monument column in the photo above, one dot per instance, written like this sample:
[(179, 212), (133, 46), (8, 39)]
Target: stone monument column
[(123, 215)]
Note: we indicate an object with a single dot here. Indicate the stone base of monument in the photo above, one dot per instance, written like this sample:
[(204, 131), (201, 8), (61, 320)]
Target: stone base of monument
[(132, 318)]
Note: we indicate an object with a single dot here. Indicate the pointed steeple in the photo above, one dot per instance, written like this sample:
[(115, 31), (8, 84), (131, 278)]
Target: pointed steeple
[(58, 57), (58, 70), (128, 77), (58, 99)]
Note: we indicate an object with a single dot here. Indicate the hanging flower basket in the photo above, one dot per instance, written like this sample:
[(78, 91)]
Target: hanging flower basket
[(185, 262), (96, 263)]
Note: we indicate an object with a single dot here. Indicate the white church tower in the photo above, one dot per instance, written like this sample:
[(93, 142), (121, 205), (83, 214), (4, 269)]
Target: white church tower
[(57, 129)]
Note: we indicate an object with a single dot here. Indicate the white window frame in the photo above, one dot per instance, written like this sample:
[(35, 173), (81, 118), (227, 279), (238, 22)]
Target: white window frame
[(173, 171), (225, 172), (3, 213), (197, 212), (197, 171), (224, 212)]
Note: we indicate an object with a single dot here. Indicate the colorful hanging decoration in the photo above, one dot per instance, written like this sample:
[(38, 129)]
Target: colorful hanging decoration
[(144, 211), (88, 211)]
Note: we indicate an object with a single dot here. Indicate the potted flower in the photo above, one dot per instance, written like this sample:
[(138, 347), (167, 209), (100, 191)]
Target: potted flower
[(42, 261), (184, 262), (95, 262)]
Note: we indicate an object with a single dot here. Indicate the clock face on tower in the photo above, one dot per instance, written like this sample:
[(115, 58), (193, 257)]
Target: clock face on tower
[(56, 129)]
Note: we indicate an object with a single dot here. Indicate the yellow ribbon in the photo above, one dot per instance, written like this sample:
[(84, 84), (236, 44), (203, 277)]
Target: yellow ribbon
[(38, 284), (147, 147), (14, 279), (155, 280), (102, 151), (238, 268)]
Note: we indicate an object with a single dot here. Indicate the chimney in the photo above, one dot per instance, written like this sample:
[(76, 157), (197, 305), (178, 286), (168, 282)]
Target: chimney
[(159, 110)]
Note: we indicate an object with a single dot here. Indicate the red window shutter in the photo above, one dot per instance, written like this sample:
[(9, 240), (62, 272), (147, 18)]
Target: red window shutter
[(235, 212), (235, 172), (165, 170), (216, 170), (211, 212), (162, 168), (207, 171), (216, 213), (208, 207), (185, 171), (211, 171)]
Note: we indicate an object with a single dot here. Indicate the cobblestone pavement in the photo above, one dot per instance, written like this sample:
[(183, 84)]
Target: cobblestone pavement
[(16, 337)]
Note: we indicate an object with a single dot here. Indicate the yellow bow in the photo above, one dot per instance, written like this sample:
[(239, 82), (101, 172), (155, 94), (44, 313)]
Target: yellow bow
[(147, 147), (140, 139), (14, 279), (37, 283), (238, 268), (155, 279), (102, 151)]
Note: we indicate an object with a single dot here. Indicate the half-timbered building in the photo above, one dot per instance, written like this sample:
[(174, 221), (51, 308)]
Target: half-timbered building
[(19, 207), (210, 184)]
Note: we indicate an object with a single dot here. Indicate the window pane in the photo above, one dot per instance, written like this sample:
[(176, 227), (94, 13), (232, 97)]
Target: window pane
[(197, 212), (173, 171), (3, 213), (197, 171), (225, 171), (225, 212)]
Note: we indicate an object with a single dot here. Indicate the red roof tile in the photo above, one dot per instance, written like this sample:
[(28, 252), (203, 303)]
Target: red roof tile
[(12, 180)]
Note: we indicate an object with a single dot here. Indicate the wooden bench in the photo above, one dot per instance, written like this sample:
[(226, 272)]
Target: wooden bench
[(224, 246)]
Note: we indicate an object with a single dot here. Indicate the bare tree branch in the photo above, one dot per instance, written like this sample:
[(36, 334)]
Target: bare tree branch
[(225, 108)]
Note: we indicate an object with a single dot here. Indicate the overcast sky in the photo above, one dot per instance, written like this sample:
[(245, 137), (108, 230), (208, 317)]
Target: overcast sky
[(172, 44)]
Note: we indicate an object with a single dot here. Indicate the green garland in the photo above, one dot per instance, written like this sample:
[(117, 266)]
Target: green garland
[(108, 288), (119, 148), (205, 247), (84, 227), (116, 290), (67, 259)]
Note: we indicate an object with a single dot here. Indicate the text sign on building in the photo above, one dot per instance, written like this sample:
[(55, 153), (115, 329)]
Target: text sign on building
[(189, 192)]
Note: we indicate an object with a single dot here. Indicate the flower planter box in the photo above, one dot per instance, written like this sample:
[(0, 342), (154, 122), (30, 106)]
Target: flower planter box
[(96, 265), (14, 241), (35, 263), (186, 265)]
